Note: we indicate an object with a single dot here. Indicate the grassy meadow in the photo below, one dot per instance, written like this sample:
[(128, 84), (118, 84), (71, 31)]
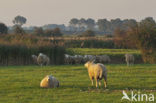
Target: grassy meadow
[(95, 51), (20, 84), (117, 56)]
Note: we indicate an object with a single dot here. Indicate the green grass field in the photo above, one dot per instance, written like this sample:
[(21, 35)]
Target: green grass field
[(20, 84), (94, 51), (117, 55)]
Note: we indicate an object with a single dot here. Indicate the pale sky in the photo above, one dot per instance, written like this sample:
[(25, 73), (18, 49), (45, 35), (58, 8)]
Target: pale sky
[(40, 12)]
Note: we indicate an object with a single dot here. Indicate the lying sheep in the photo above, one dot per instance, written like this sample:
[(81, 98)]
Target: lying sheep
[(42, 59), (49, 82), (34, 57), (129, 58), (103, 59), (97, 72)]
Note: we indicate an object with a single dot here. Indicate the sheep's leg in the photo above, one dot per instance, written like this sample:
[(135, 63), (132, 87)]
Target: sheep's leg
[(91, 78), (97, 82), (105, 81), (92, 82), (105, 84)]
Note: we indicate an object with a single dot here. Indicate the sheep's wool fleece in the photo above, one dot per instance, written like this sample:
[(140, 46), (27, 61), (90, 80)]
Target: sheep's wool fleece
[(96, 70), (49, 82)]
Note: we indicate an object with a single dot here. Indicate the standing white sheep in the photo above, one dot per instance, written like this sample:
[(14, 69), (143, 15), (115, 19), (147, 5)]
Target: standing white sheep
[(129, 58), (49, 82), (97, 71), (42, 59)]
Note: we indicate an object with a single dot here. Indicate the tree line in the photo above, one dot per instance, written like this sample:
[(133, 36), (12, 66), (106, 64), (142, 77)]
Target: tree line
[(102, 25), (19, 21), (77, 26)]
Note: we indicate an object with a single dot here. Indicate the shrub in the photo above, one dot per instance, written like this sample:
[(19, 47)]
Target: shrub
[(144, 35), (47, 33), (38, 31), (122, 39), (56, 32), (18, 30), (3, 29), (88, 33)]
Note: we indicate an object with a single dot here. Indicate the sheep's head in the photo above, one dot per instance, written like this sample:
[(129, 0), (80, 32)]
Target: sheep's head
[(48, 77), (89, 63)]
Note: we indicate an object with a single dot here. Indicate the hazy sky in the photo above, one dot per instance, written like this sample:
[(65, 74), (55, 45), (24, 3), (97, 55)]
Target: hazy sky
[(40, 12)]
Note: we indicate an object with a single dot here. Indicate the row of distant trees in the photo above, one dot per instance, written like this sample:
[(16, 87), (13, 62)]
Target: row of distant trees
[(19, 21), (101, 25), (76, 26)]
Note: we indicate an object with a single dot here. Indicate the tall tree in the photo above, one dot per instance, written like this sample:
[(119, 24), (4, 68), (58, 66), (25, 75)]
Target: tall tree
[(115, 23), (127, 23), (82, 24), (104, 25), (19, 20), (90, 23), (74, 22), (3, 28)]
